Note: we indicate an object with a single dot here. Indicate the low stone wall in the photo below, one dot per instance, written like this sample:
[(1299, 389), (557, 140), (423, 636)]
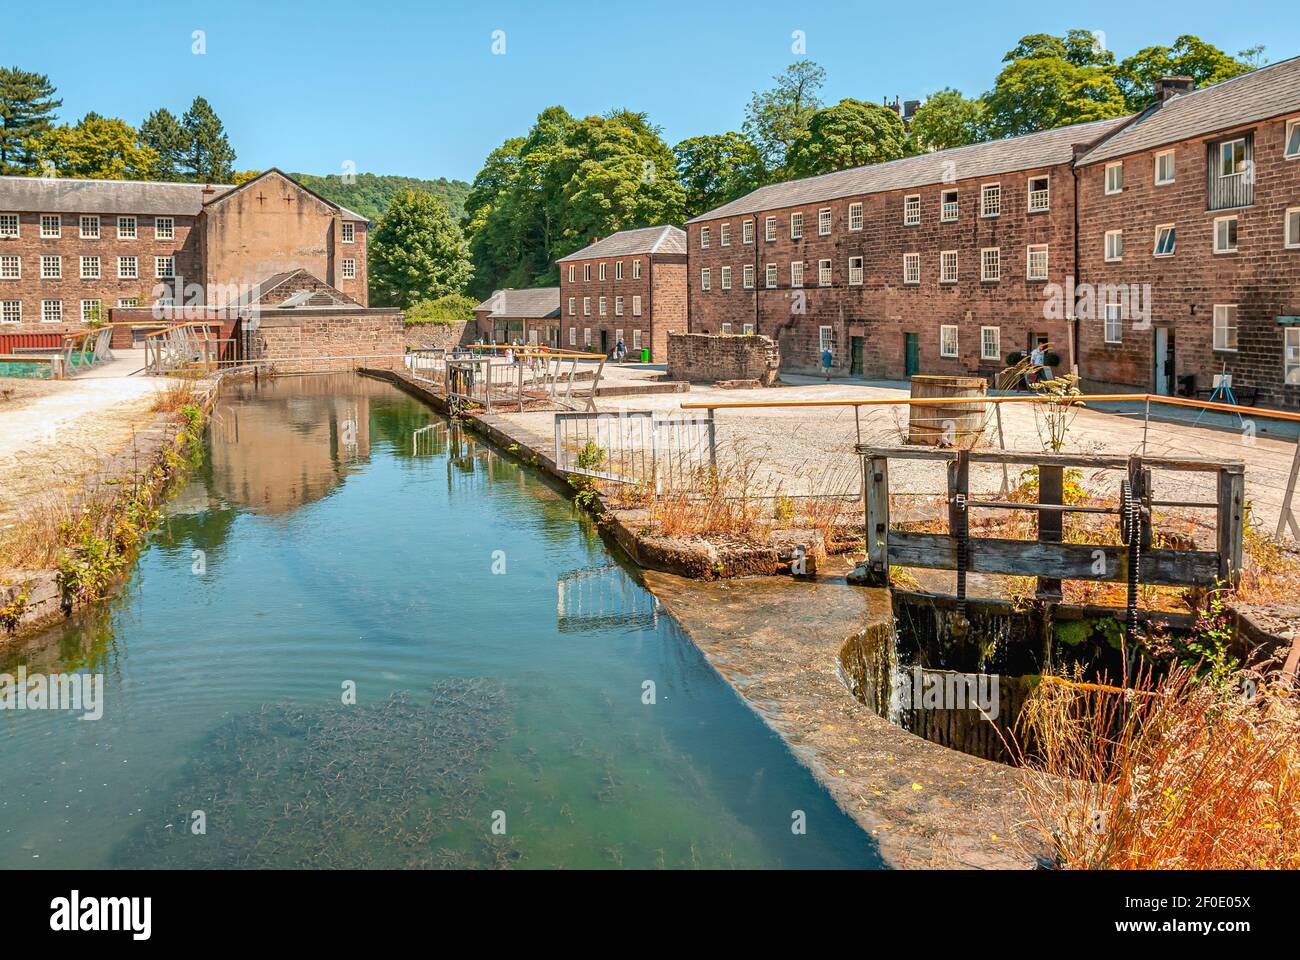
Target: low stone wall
[(440, 336), (706, 358), (308, 340)]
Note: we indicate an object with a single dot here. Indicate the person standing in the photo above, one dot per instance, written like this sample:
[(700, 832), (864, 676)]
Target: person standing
[(827, 360), (620, 350)]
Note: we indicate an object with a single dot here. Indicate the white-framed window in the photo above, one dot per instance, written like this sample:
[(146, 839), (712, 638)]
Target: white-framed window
[(603, 306), (747, 329), (770, 276), (948, 340), (948, 206), (706, 235), (1166, 240), (1164, 167), (348, 268), (724, 234), (826, 340), (1114, 323), (706, 278), (164, 267), (51, 267), (1232, 157), (618, 334), (1225, 234), (128, 268), (586, 273), (349, 231), (912, 210), (601, 269), (1291, 228), (128, 302), (89, 226), (1292, 149), (990, 343), (911, 268), (726, 278), (127, 228), (725, 329), (1115, 177), (747, 276), (1036, 261), (823, 273), (586, 306), (855, 271), (636, 269), (636, 305), (796, 274), (51, 226), (636, 339), (11, 267), (769, 229), (991, 264), (8, 224), (11, 311), (1225, 326), (855, 216), (90, 268), (747, 231), (991, 200), (164, 228), (586, 337), (824, 222), (618, 270), (573, 306), (90, 312), (51, 311), (1114, 246), (572, 268), (948, 266), (573, 336), (1291, 355), (1039, 194), (796, 226)]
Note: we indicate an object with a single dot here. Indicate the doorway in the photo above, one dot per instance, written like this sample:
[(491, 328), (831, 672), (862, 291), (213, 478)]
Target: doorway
[(911, 354), (855, 356), (1162, 355), (604, 342)]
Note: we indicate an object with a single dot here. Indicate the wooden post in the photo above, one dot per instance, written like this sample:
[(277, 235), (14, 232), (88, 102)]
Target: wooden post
[(1051, 491), (1286, 516), (713, 439), (1232, 495), (959, 518), (1002, 445), (877, 525)]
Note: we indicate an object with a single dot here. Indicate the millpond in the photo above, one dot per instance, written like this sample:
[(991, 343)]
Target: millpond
[(362, 637)]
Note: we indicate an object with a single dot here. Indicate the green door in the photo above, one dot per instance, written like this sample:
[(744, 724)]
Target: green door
[(855, 356), (912, 353)]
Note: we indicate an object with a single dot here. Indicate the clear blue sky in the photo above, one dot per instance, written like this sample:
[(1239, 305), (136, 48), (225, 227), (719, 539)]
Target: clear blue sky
[(399, 86)]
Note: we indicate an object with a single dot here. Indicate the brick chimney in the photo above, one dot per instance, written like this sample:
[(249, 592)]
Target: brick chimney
[(208, 193), (1169, 87)]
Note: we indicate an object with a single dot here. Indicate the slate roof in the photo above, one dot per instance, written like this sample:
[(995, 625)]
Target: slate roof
[(1267, 92), (628, 242), (537, 303), (943, 166)]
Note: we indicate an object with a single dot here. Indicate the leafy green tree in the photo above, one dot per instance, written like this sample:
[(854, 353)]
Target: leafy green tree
[(27, 109), (452, 308), (716, 169), (162, 133), (369, 194), (417, 252), (1189, 57), (207, 156), (1051, 82), (776, 118), (947, 119), (97, 148), (849, 134)]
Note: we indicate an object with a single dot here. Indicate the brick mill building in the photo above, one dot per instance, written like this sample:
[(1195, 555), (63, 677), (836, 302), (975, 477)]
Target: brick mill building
[(631, 285), (520, 316)]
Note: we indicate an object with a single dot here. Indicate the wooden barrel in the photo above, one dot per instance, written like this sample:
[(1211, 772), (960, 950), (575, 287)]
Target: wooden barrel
[(940, 424)]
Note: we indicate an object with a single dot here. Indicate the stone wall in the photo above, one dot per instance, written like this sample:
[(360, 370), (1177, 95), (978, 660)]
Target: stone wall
[(303, 340), (706, 358), (440, 336)]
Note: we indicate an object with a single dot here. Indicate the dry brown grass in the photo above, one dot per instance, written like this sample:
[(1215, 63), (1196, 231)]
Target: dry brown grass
[(178, 393)]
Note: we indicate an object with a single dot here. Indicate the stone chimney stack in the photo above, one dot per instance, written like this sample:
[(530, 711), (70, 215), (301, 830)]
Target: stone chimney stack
[(1169, 87)]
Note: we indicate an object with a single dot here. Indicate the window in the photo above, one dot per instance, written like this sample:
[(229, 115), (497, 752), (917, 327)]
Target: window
[(1114, 246), (770, 276), (1292, 150), (51, 226), (706, 279), (571, 270), (726, 278), (89, 311), (636, 339), (1232, 157), (349, 269), (51, 311), (1225, 326), (128, 268), (991, 264), (586, 337), (747, 276), (1225, 235), (948, 266), (1164, 167), (11, 311), (748, 329), (769, 228), (747, 231), (573, 306), (855, 216), (1036, 261), (601, 270), (823, 273), (796, 274), (636, 306), (618, 334), (126, 228), (725, 329), (912, 268), (349, 232), (855, 271), (11, 268), (990, 343), (90, 268), (796, 226), (705, 234), (90, 227), (724, 234), (1038, 195), (51, 268), (1166, 240), (948, 340), (586, 273), (1291, 355), (618, 270), (991, 200), (1114, 323), (1115, 177), (912, 210), (129, 302), (586, 306), (164, 267), (826, 339), (824, 222), (636, 269), (8, 224), (603, 307), (164, 228), (573, 336), (948, 206), (1292, 229)]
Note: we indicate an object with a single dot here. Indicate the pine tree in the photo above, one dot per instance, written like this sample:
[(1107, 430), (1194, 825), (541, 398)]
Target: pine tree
[(162, 133), (207, 156), (27, 105)]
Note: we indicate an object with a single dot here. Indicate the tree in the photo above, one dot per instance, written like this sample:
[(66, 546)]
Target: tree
[(97, 148), (162, 133), (206, 156), (849, 134), (1190, 56), (417, 252), (776, 118), (716, 169), (27, 106), (947, 119), (1051, 82)]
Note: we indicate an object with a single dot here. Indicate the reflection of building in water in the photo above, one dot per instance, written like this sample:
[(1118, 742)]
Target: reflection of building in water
[(294, 444), (598, 597)]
